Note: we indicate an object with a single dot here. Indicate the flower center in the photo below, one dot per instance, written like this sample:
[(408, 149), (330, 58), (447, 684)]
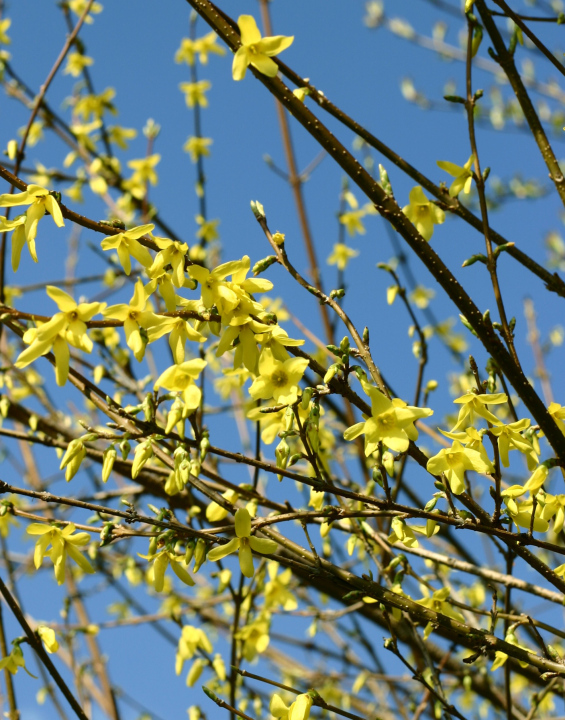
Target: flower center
[(279, 378), (386, 420)]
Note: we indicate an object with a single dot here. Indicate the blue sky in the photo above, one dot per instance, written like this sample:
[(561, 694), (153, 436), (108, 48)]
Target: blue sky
[(360, 69)]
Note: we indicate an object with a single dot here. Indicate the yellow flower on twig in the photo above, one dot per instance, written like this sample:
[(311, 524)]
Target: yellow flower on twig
[(257, 51)]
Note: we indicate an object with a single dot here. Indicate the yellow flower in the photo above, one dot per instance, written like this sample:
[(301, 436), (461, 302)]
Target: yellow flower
[(197, 147), (521, 510), (144, 169), (454, 461), (554, 506), (276, 591), (341, 255), (96, 105), (215, 291), (256, 51), (245, 543), (192, 639), (278, 379), (73, 457), (195, 93), (352, 222), (299, 710), (557, 412), (208, 230), (4, 26), (135, 316), (49, 638), (161, 561), (391, 422), (255, 636), (476, 406), (201, 47), (63, 543), (463, 176), (422, 213), (509, 438), (180, 330), (67, 326), (421, 296), (79, 6), (215, 512), (119, 135), (438, 602), (127, 246), (15, 660), (180, 378), (172, 253), (40, 202), (537, 479), (76, 62)]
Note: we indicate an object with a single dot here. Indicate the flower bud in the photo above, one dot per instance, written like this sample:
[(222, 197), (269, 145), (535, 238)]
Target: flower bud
[(109, 457), (72, 459), (175, 415), (143, 452), (200, 552)]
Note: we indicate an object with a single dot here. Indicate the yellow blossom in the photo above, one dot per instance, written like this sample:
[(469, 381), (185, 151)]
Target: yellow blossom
[(421, 296), (49, 638), (208, 230), (391, 422), (144, 169), (135, 316), (63, 542), (352, 221), (180, 378), (14, 661), (454, 461), (298, 710), (422, 213), (554, 507), (255, 636), (278, 380), (35, 133), (161, 560), (127, 245), (277, 593), (463, 176), (201, 47), (4, 27), (473, 406), (195, 93), (509, 438), (40, 202), (171, 252), (192, 639), (92, 105), (215, 290), (120, 135), (341, 255), (438, 602), (179, 331), (76, 62), (257, 51), (79, 6), (244, 542), (67, 326), (197, 147)]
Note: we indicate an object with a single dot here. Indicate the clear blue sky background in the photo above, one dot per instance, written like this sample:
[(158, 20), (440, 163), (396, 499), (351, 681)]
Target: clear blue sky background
[(134, 42)]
